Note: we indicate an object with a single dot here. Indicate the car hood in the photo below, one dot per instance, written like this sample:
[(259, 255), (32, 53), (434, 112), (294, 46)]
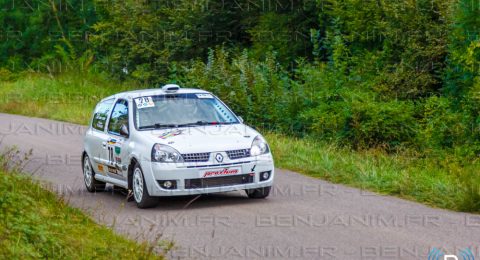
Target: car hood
[(210, 138)]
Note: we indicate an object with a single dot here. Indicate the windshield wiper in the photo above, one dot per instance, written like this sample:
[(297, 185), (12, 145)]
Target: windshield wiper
[(158, 126), (205, 123)]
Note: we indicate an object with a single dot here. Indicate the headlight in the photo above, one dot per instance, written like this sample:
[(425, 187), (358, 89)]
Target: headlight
[(165, 154), (259, 146)]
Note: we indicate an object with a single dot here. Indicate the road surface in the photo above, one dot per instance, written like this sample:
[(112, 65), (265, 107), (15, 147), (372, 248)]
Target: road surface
[(304, 218)]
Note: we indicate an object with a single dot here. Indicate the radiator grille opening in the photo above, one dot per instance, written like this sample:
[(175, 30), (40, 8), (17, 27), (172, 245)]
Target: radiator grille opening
[(237, 154), (218, 181), (196, 157)]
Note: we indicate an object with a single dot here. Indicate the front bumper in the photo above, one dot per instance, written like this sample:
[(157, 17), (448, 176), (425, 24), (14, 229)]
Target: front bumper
[(154, 173)]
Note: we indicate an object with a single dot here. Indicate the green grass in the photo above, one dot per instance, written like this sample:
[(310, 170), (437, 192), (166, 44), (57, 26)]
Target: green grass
[(68, 97), (439, 179), (34, 223)]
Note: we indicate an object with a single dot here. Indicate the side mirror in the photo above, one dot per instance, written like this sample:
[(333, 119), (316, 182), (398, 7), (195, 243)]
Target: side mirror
[(241, 119), (124, 130)]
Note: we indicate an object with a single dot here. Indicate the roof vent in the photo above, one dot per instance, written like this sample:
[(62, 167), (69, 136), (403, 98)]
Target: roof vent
[(171, 88)]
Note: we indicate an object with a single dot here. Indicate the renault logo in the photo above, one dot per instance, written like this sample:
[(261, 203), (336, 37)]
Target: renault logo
[(219, 157)]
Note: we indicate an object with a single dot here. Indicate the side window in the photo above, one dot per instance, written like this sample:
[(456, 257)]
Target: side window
[(101, 113), (119, 117)]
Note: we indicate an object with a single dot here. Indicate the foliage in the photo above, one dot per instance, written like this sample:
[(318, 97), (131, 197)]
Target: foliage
[(284, 28), (160, 34), (32, 29), (256, 90)]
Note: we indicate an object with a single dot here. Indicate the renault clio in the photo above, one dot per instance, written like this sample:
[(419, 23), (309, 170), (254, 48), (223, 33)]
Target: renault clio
[(173, 141)]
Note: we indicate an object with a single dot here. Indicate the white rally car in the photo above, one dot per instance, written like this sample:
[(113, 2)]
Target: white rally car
[(173, 141)]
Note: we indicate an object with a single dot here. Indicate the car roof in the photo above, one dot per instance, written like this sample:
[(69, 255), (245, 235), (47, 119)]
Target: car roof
[(152, 92)]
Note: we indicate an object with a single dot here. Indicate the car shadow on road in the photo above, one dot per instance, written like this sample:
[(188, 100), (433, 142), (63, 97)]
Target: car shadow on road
[(226, 199), (205, 201)]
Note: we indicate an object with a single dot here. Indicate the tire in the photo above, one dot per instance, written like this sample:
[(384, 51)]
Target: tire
[(139, 188), (91, 183), (259, 193)]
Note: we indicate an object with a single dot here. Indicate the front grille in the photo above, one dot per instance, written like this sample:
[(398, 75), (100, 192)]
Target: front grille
[(237, 154), (196, 157), (218, 181)]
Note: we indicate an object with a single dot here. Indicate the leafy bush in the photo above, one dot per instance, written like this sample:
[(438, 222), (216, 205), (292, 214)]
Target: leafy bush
[(7, 75), (442, 127), (31, 30), (364, 122), (259, 90), (373, 123)]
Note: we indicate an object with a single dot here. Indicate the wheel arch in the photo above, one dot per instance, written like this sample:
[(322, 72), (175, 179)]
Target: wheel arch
[(131, 166), (84, 153)]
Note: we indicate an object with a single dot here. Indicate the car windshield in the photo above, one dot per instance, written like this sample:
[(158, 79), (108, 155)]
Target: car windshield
[(179, 110)]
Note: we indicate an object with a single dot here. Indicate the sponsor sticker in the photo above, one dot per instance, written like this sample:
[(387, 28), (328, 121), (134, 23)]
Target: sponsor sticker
[(118, 149), (204, 95), (144, 102), (171, 134), (220, 172)]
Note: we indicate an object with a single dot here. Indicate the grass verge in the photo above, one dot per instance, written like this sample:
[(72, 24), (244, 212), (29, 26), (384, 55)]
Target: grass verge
[(34, 223), (439, 179), (443, 181), (68, 97)]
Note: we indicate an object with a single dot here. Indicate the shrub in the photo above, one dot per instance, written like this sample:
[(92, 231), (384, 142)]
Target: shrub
[(7, 75), (258, 90), (363, 122)]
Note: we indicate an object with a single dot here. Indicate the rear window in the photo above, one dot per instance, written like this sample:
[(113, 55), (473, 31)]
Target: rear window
[(101, 113)]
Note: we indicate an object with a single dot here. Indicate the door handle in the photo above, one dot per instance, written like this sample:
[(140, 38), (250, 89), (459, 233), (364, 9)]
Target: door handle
[(104, 145)]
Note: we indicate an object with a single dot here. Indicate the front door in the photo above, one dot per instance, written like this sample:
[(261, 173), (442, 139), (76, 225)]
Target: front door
[(116, 157)]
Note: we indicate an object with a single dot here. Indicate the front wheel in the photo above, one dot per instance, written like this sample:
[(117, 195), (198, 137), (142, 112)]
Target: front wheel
[(139, 187), (91, 183), (259, 193)]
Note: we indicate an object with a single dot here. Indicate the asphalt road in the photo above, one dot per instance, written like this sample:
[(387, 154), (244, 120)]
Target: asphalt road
[(303, 218)]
